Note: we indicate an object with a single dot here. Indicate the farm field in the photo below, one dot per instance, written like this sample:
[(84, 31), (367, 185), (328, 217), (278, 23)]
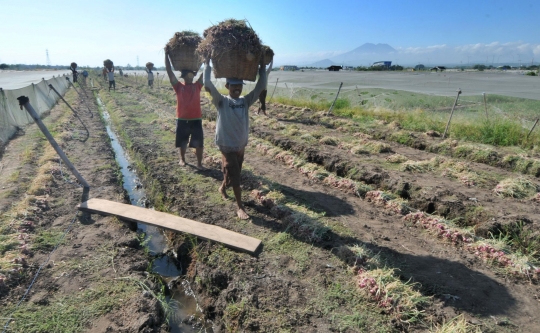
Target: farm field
[(370, 221)]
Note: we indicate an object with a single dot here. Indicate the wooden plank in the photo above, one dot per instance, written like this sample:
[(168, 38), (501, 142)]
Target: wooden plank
[(172, 222)]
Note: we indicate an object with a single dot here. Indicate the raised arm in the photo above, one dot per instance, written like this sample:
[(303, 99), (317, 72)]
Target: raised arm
[(216, 96), (172, 77), (259, 87)]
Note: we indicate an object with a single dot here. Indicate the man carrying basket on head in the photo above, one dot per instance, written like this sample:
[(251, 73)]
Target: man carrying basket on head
[(232, 129), (188, 112)]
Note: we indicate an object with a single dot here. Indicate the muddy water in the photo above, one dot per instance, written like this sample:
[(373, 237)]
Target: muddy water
[(187, 316)]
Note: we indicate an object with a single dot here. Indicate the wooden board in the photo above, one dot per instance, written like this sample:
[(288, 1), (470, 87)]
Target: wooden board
[(172, 222)]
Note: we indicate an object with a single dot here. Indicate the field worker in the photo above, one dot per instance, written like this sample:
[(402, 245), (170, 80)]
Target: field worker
[(104, 73), (188, 113), (120, 72), (75, 74), (262, 96), (232, 128), (110, 75), (150, 77), (84, 75)]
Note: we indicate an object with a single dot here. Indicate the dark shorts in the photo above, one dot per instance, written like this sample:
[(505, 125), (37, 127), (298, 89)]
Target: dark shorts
[(150, 82), (189, 131), (231, 165), (262, 99), (112, 84)]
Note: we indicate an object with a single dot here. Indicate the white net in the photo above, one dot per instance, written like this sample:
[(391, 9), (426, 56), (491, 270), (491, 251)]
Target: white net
[(41, 98)]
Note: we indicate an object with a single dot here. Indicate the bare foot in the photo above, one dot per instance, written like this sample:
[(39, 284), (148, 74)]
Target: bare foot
[(182, 163), (200, 167), (242, 214), (223, 192)]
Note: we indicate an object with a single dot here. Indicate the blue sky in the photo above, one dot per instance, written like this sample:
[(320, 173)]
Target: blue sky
[(300, 32)]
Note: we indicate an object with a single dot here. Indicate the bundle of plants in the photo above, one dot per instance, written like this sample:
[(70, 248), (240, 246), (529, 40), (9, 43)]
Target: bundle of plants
[(74, 65), (108, 63), (234, 47), (182, 47), (150, 65), (268, 54)]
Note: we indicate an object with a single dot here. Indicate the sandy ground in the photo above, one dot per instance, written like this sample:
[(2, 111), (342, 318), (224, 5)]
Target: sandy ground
[(20, 79), (444, 84)]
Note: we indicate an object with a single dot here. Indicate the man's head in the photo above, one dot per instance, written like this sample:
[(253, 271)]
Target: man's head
[(235, 87), (187, 75)]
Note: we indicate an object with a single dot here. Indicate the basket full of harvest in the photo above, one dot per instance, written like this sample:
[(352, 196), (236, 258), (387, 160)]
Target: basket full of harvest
[(108, 63), (182, 48), (149, 65), (74, 65), (235, 49)]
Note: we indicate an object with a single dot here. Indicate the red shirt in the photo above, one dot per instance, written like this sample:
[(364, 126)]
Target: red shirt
[(188, 100)]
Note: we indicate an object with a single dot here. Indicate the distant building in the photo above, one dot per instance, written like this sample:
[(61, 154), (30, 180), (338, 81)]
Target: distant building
[(288, 68), (334, 68), (419, 67), (438, 68), (386, 64)]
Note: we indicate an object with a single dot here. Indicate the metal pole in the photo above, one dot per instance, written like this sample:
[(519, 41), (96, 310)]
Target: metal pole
[(69, 106), (335, 99), (536, 122), (451, 113), (91, 114), (273, 91), (68, 80), (24, 101)]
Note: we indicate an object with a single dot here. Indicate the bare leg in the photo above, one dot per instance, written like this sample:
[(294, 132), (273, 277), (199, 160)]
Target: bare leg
[(238, 195), (182, 161), (199, 153), (223, 190)]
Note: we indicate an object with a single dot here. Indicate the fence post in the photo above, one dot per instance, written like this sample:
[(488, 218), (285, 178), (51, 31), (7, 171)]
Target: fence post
[(25, 102), (273, 91), (335, 99), (451, 113), (536, 122)]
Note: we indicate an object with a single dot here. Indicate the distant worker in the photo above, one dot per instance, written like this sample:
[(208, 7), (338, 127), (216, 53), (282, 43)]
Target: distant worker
[(110, 75), (84, 75), (262, 96), (74, 72), (120, 72), (104, 73), (150, 77), (188, 112)]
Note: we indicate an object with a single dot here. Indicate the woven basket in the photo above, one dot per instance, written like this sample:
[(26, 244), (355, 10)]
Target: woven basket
[(150, 65), (74, 65), (236, 64), (184, 57)]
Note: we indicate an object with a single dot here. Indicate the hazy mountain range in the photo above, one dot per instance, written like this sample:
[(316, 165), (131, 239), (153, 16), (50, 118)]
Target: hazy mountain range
[(494, 53)]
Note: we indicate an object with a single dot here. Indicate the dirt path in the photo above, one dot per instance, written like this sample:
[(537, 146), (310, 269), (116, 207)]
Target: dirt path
[(300, 281), (93, 281)]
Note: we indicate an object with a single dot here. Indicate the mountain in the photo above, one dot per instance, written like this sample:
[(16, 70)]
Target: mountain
[(322, 63), (366, 54)]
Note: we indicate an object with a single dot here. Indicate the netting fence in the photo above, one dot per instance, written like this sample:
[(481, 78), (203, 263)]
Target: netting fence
[(41, 98)]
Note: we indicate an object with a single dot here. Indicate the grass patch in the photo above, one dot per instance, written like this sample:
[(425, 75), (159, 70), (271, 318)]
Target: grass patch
[(518, 188)]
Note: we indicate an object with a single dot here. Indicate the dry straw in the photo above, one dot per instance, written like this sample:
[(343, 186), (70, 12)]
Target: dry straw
[(107, 63), (234, 47), (182, 48)]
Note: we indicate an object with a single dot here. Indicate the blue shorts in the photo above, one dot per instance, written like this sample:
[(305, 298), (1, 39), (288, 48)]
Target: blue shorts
[(189, 131)]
